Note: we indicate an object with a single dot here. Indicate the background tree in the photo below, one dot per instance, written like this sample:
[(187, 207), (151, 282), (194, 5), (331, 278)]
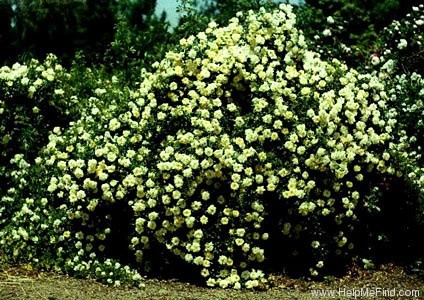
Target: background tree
[(6, 33), (140, 39), (37, 27)]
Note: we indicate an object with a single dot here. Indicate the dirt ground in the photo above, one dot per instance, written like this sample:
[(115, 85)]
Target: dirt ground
[(16, 283)]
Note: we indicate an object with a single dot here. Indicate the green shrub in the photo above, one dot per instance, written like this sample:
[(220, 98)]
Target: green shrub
[(134, 47), (39, 27), (32, 101), (34, 28), (395, 61), (407, 96), (37, 96), (242, 151), (40, 228), (402, 44), (349, 30), (400, 63)]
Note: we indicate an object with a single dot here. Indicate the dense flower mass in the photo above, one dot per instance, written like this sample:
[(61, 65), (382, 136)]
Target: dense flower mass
[(29, 92), (239, 145)]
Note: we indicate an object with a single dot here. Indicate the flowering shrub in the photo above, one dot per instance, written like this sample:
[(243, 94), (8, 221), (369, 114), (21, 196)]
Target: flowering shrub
[(34, 98), (403, 197), (243, 149), (51, 231), (407, 97), (401, 62), (344, 29), (357, 30), (402, 43), (31, 102)]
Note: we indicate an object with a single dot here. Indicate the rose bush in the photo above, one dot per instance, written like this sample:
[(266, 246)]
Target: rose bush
[(32, 102), (241, 152)]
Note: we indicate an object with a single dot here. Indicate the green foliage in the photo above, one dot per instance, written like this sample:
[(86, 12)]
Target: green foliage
[(401, 63), (6, 33), (222, 11), (61, 27), (195, 16), (348, 29), (43, 231), (241, 152), (35, 28), (32, 103), (395, 52), (225, 151), (407, 96), (403, 41), (136, 47)]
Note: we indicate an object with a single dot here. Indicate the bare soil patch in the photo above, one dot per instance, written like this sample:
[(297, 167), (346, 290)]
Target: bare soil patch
[(18, 283)]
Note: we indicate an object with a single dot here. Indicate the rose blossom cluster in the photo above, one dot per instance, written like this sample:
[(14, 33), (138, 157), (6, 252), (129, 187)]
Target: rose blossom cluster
[(236, 120)]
